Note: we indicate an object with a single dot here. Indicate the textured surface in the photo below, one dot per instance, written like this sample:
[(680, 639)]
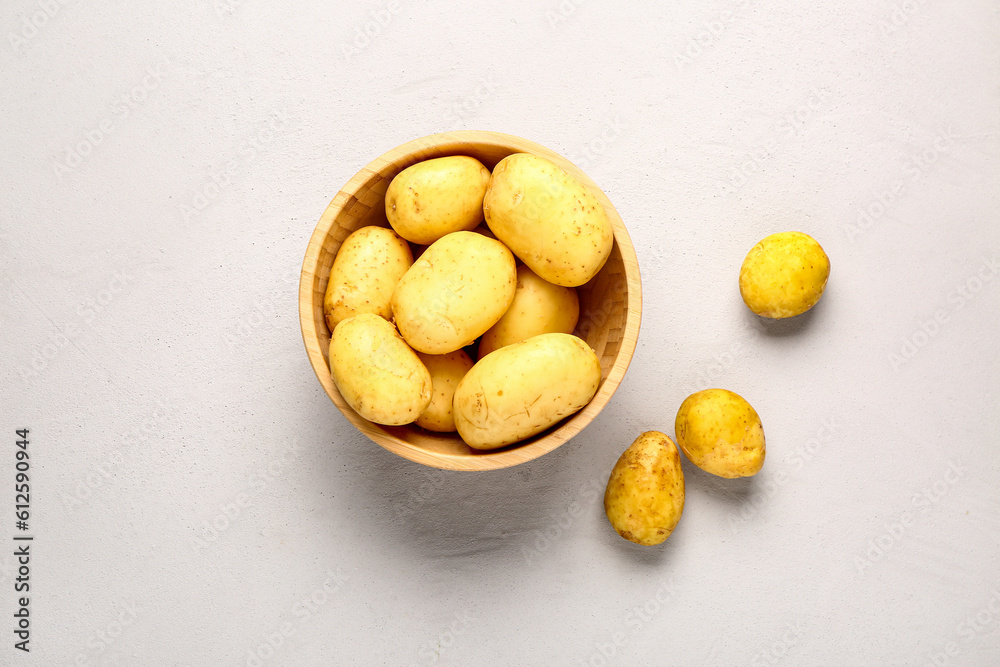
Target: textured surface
[(151, 342)]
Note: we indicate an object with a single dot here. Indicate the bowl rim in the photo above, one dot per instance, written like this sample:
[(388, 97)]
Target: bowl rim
[(431, 146)]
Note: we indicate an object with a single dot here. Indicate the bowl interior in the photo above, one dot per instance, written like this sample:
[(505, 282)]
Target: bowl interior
[(610, 304)]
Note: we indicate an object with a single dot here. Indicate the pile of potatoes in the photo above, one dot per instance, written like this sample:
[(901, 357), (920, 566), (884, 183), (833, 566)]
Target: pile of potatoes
[(404, 332)]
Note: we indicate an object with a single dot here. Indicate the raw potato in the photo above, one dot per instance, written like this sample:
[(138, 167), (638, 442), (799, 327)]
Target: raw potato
[(784, 275), (364, 274), (436, 197), (645, 495), (548, 219), (538, 307), (455, 291), (721, 433), (523, 389), (378, 375), (446, 370)]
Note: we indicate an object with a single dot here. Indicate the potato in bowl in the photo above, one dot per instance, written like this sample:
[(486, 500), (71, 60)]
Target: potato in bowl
[(610, 303)]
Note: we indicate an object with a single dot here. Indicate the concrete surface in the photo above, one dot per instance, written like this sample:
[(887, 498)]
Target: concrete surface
[(196, 498)]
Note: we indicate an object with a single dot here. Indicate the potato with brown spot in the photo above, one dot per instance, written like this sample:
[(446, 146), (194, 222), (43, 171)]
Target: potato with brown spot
[(721, 433), (364, 274), (548, 219), (461, 285), (784, 275), (644, 499), (436, 197), (377, 373), (446, 370), (525, 388)]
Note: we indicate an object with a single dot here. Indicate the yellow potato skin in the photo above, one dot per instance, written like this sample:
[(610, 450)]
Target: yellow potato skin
[(378, 375), (364, 274), (644, 499), (538, 307), (524, 388), (548, 219), (436, 197), (458, 288), (784, 275), (721, 433), (446, 370)]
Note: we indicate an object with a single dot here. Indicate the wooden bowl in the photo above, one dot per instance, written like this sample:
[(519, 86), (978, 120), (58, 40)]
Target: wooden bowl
[(610, 304)]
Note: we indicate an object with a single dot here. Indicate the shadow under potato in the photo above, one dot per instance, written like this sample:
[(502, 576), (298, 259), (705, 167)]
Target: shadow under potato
[(516, 513), (653, 556), (735, 492), (788, 326)]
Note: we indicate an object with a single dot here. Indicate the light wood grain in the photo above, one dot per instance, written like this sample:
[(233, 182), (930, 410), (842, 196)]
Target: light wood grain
[(610, 304)]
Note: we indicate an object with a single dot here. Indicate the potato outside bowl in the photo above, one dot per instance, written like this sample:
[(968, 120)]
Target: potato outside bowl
[(610, 304)]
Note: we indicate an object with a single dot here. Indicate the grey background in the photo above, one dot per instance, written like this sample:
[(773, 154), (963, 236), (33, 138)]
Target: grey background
[(198, 500)]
